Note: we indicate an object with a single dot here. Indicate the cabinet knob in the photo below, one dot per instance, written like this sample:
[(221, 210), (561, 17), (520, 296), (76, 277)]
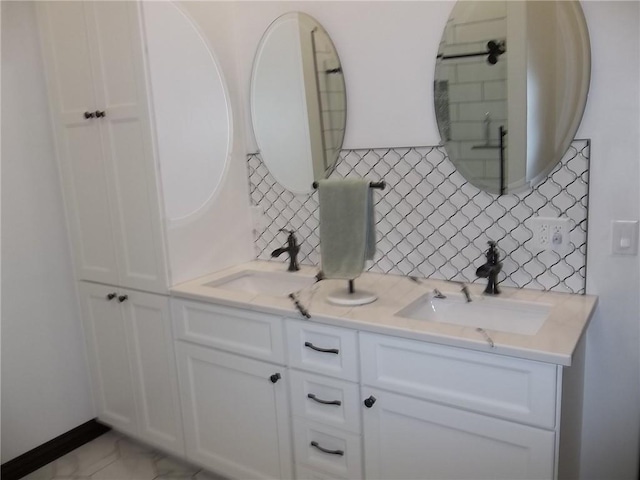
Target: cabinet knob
[(89, 114), (100, 113), (122, 298), (275, 377), (368, 402), (111, 296)]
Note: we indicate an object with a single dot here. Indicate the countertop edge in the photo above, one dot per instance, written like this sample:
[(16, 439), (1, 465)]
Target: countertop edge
[(284, 307)]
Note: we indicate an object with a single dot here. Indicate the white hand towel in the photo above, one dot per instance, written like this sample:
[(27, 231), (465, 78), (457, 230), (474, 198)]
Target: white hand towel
[(347, 226)]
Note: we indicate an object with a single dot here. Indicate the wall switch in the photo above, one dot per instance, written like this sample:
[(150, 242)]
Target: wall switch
[(550, 233), (624, 237)]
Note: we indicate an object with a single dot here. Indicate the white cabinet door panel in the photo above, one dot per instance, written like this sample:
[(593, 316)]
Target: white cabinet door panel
[(71, 81), (115, 44), (407, 438), (126, 134), (236, 419), (87, 200), (65, 34), (140, 252), (154, 370), (111, 377)]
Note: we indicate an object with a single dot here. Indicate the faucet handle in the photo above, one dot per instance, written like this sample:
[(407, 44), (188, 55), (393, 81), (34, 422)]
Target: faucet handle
[(492, 253), (291, 237)]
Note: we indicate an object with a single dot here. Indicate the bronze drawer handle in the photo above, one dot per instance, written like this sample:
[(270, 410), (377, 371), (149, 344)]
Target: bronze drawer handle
[(323, 350), (331, 452), (324, 402)]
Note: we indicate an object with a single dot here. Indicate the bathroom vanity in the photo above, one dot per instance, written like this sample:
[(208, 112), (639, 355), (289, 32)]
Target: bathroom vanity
[(229, 371), (365, 393)]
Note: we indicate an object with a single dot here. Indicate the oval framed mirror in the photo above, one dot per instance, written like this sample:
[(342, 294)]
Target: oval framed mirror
[(298, 101), (511, 85)]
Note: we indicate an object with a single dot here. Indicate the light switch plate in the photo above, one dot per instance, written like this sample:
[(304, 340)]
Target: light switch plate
[(624, 237)]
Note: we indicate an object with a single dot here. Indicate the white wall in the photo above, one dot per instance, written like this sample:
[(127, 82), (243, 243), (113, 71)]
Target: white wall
[(388, 54), (195, 120), (388, 79), (610, 435), (45, 384)]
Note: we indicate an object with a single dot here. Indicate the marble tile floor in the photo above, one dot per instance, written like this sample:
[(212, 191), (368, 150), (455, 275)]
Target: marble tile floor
[(113, 456)]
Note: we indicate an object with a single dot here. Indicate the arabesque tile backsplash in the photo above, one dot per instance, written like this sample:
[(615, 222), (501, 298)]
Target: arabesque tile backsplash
[(431, 222)]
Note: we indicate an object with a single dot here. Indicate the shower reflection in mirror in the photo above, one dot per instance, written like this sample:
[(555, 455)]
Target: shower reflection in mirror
[(298, 101), (511, 83)]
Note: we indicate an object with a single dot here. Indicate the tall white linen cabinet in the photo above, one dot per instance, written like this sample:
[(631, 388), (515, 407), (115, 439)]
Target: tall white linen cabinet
[(96, 76)]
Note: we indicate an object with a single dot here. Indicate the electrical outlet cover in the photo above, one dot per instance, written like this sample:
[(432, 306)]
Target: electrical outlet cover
[(550, 233)]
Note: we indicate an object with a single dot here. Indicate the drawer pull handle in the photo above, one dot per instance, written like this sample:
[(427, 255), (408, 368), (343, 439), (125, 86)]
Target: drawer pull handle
[(275, 377), (122, 298), (323, 350), (368, 402), (332, 452), (88, 115), (111, 296), (324, 402)]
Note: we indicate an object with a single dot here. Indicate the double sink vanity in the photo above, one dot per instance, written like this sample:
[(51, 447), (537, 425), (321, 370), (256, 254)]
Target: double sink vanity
[(410, 386), (232, 372)]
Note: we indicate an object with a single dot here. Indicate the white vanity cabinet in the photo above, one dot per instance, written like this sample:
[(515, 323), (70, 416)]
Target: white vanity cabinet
[(132, 363), (233, 385), (93, 53), (438, 412), (270, 397)]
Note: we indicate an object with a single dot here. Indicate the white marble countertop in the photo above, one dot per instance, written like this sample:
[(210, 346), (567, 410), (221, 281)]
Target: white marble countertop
[(555, 342)]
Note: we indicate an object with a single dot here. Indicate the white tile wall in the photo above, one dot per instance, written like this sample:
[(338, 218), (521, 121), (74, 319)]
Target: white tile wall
[(430, 222)]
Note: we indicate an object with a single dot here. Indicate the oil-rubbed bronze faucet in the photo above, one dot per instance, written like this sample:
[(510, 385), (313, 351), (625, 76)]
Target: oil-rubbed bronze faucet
[(491, 269), (292, 248)]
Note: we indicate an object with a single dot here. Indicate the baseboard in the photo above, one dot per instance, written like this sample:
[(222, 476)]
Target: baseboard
[(53, 449)]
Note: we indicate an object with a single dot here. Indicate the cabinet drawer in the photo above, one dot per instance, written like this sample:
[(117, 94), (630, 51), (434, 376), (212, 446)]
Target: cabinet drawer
[(323, 349), (326, 449), (305, 473), (511, 388), (327, 400), (257, 335)]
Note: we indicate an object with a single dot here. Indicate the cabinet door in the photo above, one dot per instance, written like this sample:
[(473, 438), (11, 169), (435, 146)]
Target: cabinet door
[(95, 67), (407, 438), (150, 345), (71, 84), (121, 92), (236, 418), (111, 377)]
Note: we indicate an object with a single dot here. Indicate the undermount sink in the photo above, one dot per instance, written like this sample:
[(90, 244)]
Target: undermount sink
[(489, 313), (277, 284)]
